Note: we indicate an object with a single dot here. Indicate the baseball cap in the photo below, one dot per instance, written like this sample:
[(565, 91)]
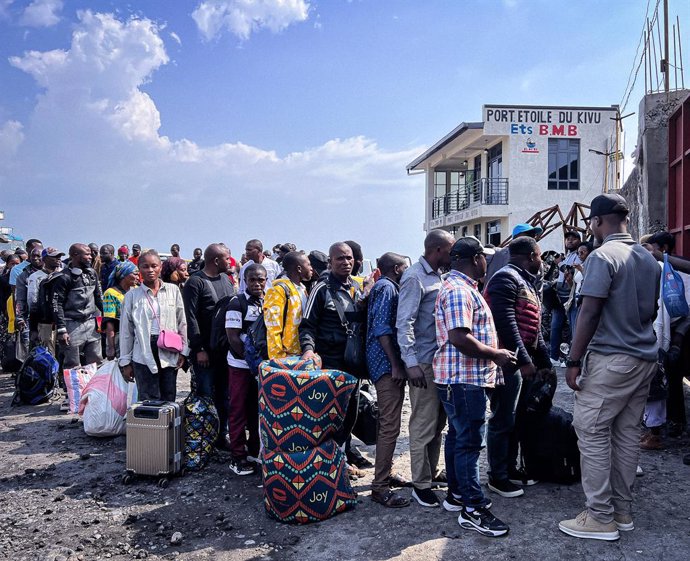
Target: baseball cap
[(52, 252), (573, 234), (469, 246), (136, 246), (608, 203), (525, 228)]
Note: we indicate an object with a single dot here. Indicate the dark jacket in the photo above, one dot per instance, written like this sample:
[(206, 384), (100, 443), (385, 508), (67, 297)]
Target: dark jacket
[(199, 301), (516, 308), (76, 296), (321, 330)]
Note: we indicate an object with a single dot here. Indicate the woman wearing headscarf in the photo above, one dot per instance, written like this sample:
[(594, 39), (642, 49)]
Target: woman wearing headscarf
[(174, 271), (153, 333), (124, 277)]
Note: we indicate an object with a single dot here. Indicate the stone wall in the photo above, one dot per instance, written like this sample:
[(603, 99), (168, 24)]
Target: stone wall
[(646, 187)]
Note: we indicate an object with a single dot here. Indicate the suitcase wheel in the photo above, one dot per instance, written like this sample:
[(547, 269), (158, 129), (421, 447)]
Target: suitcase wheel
[(127, 478), (163, 482)]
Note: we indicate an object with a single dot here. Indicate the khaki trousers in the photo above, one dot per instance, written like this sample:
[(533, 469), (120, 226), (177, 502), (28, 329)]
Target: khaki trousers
[(427, 421), (390, 399), (607, 418), (46, 337)]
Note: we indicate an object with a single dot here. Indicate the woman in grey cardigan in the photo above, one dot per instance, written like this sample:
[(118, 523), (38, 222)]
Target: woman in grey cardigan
[(155, 307)]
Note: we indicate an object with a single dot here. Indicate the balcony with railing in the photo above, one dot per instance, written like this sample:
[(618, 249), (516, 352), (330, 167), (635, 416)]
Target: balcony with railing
[(486, 191)]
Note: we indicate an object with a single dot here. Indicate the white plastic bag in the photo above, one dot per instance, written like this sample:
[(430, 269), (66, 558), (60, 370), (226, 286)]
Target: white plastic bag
[(103, 405)]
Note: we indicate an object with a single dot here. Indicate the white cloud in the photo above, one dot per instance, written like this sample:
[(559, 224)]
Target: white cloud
[(94, 132), (11, 136), (244, 17), (42, 13), (5, 8), (175, 37)]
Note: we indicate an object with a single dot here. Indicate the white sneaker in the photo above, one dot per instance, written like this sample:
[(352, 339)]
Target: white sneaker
[(555, 362), (639, 472)]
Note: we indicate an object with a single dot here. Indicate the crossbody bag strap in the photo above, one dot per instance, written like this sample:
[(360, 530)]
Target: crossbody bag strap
[(341, 312), (153, 310)]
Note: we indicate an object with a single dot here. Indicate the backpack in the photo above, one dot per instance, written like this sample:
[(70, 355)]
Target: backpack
[(200, 430), (44, 305), (255, 344), (673, 291), (549, 446), (36, 378)]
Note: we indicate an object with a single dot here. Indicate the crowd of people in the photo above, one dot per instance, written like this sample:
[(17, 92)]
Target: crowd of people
[(461, 328)]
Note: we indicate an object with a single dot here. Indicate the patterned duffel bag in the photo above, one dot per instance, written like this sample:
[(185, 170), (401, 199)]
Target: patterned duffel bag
[(308, 486), (299, 409)]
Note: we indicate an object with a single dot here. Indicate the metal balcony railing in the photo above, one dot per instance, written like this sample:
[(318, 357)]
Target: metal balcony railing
[(486, 191)]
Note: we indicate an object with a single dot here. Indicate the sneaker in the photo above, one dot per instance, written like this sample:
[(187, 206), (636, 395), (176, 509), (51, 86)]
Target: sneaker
[(624, 522), (519, 477), (584, 526), (481, 520), (64, 406), (505, 488), (241, 466), (453, 503), (555, 362), (425, 497)]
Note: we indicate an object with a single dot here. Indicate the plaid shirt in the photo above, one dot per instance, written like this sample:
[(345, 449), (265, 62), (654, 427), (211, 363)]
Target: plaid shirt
[(460, 305)]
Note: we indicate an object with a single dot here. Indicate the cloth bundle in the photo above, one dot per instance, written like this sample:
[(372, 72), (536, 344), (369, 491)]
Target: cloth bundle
[(304, 471)]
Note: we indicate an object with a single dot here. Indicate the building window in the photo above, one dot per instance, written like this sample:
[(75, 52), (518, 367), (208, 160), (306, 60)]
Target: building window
[(464, 231), (478, 231), (493, 232), (564, 164)]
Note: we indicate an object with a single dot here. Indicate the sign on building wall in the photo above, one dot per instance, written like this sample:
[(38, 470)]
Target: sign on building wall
[(542, 121)]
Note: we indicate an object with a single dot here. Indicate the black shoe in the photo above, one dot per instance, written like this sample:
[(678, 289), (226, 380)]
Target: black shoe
[(441, 480), (425, 497), (355, 458), (481, 520), (519, 476), (241, 466), (454, 504), (686, 459), (505, 488)]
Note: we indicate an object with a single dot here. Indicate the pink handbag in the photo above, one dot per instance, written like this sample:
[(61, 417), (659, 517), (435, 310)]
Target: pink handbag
[(167, 340), (170, 341)]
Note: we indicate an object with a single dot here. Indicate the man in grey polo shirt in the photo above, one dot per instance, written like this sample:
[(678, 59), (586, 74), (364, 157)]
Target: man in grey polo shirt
[(610, 367), (415, 324)]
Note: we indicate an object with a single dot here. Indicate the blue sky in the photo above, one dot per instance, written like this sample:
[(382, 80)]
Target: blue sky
[(288, 120)]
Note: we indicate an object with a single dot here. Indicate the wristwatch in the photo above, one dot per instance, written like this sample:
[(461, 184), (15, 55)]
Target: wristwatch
[(570, 363)]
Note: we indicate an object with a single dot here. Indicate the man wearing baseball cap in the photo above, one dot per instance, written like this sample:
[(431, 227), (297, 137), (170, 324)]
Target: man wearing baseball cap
[(611, 364), (39, 319), (502, 256), (465, 366), (136, 251)]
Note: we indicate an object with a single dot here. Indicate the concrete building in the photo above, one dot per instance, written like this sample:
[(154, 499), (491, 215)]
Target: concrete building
[(484, 177)]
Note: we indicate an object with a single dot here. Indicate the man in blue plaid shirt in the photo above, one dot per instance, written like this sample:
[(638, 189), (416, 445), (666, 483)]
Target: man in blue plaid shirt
[(465, 366)]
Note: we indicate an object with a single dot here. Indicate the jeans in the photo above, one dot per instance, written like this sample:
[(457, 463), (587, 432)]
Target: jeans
[(572, 318), (501, 450), (465, 406), (212, 381), (161, 385), (557, 324)]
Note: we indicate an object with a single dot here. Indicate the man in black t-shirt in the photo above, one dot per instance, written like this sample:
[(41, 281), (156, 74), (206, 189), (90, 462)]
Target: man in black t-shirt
[(201, 292)]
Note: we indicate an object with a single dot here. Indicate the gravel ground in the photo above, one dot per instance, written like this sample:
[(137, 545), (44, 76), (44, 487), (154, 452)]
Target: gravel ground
[(61, 499)]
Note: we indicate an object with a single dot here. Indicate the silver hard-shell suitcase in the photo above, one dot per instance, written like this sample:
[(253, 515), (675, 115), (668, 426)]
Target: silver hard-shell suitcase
[(154, 440)]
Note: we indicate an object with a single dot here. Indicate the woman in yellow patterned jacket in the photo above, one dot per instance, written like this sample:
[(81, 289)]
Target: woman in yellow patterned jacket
[(283, 306)]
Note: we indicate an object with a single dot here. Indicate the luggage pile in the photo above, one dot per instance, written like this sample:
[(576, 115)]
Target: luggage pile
[(304, 471), (546, 433)]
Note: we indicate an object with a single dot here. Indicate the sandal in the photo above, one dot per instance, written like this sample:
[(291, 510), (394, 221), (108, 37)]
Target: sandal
[(389, 499)]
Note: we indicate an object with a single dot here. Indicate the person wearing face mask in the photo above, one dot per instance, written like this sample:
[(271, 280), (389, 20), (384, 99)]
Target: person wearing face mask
[(77, 299)]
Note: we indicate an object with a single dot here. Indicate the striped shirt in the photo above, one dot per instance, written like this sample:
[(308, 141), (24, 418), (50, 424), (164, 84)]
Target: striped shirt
[(460, 305)]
